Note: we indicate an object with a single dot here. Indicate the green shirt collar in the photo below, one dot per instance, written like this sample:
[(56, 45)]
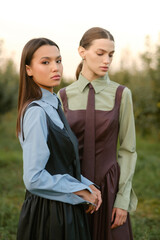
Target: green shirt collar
[(98, 84)]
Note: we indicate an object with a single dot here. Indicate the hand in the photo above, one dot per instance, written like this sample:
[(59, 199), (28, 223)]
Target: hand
[(119, 217), (99, 198), (88, 196), (92, 208)]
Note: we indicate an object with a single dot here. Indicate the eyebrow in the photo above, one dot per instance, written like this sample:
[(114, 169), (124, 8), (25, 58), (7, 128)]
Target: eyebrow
[(50, 58), (104, 50)]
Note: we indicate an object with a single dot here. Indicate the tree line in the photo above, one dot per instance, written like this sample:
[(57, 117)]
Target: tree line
[(144, 83)]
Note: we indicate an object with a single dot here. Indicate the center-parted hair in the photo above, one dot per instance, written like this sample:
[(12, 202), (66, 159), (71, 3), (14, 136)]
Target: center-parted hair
[(88, 38)]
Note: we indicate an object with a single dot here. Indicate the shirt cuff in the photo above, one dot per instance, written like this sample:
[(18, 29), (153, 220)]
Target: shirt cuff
[(121, 202), (86, 181), (129, 204)]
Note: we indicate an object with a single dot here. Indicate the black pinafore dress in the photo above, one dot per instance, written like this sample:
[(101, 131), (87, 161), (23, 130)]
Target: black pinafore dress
[(44, 219), (107, 170)]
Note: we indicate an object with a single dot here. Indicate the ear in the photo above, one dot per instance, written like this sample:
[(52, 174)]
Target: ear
[(82, 52), (29, 71)]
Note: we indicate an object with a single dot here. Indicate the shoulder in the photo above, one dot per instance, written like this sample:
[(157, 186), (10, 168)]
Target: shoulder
[(126, 98), (34, 118), (34, 113), (126, 91), (33, 123), (113, 84)]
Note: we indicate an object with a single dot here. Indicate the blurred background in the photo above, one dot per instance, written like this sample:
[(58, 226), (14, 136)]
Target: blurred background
[(135, 26)]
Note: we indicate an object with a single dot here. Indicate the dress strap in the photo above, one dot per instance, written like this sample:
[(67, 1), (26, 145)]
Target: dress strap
[(118, 97), (64, 99)]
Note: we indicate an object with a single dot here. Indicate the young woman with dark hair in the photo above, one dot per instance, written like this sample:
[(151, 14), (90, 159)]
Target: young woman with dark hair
[(56, 192), (99, 112)]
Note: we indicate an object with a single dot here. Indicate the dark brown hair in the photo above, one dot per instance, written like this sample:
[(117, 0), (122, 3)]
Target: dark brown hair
[(87, 39), (28, 89)]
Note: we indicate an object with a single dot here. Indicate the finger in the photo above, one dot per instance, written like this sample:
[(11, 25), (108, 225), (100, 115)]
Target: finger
[(113, 214), (89, 209), (99, 204), (117, 220), (124, 220), (94, 209), (121, 221), (99, 201), (113, 226)]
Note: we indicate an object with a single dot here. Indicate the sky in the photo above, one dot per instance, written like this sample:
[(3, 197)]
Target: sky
[(65, 21)]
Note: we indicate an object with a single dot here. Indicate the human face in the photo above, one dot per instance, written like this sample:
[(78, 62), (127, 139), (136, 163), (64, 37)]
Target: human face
[(97, 58), (46, 67)]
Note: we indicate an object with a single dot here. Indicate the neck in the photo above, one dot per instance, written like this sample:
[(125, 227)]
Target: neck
[(50, 89), (89, 76)]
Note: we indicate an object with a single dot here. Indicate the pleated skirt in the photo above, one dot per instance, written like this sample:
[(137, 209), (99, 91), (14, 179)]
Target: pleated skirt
[(44, 219)]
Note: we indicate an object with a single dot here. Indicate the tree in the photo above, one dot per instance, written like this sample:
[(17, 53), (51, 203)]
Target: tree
[(145, 86), (8, 84)]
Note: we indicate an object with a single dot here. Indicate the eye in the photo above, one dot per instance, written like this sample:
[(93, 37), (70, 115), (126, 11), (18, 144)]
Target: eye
[(100, 54), (110, 55), (59, 61), (45, 62)]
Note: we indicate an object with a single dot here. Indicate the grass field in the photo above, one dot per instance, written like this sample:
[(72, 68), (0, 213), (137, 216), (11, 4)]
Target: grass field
[(145, 221)]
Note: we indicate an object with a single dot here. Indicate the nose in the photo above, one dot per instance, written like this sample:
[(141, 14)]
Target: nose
[(106, 59), (54, 67)]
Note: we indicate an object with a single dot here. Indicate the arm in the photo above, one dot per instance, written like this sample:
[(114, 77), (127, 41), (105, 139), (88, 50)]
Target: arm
[(35, 156), (127, 156)]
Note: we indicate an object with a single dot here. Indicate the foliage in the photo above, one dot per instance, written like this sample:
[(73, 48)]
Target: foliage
[(145, 86), (144, 83), (8, 85)]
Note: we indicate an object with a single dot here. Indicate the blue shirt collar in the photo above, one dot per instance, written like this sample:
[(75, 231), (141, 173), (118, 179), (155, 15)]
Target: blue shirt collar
[(50, 98)]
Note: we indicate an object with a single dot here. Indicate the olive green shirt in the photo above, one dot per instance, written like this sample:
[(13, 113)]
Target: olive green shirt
[(105, 90)]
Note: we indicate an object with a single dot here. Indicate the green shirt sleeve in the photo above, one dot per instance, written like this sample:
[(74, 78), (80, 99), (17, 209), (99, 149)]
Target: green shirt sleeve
[(127, 156)]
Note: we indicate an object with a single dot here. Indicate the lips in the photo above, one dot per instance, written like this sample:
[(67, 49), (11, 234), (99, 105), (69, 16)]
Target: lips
[(56, 77), (104, 68)]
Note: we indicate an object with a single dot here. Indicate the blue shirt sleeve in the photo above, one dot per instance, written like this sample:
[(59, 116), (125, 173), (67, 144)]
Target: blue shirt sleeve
[(35, 156), (86, 181)]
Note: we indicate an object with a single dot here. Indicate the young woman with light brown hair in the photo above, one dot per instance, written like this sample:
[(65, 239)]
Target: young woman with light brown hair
[(100, 112)]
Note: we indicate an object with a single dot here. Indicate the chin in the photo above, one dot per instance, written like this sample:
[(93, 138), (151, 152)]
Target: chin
[(102, 74), (56, 84)]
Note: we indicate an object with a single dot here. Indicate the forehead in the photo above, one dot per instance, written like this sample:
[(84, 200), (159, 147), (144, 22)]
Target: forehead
[(46, 51), (104, 44)]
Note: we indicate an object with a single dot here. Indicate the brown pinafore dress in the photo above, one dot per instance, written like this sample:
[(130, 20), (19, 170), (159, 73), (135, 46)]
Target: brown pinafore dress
[(107, 171)]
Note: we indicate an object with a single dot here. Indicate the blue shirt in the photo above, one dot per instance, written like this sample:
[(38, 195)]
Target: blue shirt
[(36, 153)]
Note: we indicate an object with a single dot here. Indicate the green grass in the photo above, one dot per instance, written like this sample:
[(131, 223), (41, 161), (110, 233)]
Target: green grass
[(11, 185), (145, 221)]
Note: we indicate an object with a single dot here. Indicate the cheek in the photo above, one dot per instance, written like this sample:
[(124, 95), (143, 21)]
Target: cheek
[(38, 70), (93, 60), (61, 69), (111, 60)]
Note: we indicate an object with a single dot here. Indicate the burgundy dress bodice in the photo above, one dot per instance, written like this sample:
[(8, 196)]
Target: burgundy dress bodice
[(106, 135)]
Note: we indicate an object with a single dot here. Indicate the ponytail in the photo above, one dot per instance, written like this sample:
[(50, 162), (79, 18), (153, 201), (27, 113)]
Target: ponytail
[(79, 69)]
